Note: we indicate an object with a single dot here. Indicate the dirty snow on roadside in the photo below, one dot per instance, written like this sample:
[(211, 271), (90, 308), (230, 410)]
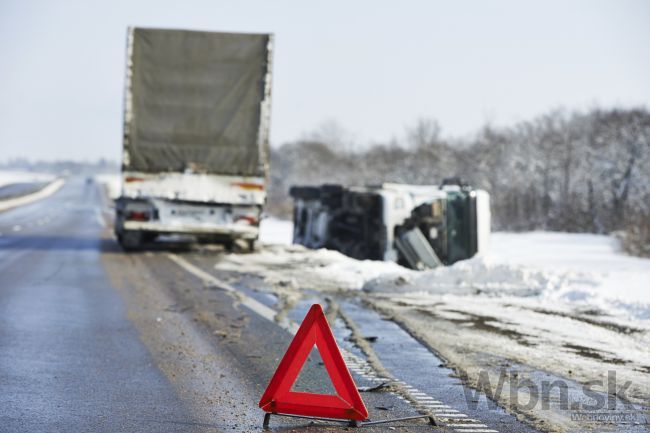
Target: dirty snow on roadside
[(571, 305), (301, 268), (586, 273), (284, 264)]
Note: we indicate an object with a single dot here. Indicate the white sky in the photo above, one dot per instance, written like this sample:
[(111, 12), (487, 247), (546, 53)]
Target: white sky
[(374, 67)]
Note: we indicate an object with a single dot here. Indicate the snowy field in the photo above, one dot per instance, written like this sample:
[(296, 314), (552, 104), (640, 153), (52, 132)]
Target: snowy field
[(8, 177), (571, 305), (51, 185)]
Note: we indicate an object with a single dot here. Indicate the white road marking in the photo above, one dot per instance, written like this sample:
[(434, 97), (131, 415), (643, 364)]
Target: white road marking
[(252, 304), (270, 314)]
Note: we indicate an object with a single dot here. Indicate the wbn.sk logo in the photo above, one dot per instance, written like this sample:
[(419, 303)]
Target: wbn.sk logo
[(525, 394)]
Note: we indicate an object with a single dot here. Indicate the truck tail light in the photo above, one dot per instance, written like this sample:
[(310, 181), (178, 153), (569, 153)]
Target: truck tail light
[(249, 185), (246, 219), (137, 216)]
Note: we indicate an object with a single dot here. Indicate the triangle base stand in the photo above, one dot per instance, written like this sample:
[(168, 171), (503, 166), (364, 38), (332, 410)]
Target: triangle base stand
[(349, 423)]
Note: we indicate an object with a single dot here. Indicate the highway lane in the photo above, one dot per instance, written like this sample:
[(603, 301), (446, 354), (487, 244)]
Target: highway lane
[(69, 358)]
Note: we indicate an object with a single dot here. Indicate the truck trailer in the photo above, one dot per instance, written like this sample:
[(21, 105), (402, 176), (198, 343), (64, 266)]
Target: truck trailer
[(195, 142), (418, 226)]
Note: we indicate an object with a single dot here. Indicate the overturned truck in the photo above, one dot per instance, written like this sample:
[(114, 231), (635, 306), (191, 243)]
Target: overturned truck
[(418, 226)]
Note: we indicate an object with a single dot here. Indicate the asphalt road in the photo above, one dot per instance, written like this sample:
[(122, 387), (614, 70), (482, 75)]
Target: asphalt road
[(69, 358), (93, 339)]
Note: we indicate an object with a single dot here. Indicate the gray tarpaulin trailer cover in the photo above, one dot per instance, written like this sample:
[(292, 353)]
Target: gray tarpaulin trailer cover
[(197, 101)]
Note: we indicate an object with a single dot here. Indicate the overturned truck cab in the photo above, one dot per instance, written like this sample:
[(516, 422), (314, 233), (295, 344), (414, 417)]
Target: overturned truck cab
[(418, 226)]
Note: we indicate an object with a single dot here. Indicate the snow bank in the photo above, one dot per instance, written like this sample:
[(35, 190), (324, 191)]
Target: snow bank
[(8, 177), (582, 271), (310, 269), (470, 277), (47, 191)]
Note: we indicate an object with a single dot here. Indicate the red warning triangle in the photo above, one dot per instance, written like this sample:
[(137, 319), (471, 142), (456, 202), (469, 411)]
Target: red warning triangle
[(278, 397)]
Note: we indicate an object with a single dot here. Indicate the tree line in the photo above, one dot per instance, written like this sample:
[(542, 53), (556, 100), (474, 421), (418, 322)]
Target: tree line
[(562, 171)]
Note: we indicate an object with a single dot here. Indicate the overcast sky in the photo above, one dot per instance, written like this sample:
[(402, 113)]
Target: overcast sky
[(374, 67)]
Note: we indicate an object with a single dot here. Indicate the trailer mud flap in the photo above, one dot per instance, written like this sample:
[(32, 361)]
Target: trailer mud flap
[(416, 250)]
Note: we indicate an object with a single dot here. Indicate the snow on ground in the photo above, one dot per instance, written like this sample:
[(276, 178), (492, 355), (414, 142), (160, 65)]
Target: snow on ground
[(300, 268), (611, 279), (582, 270), (276, 231), (8, 177), (572, 305), (51, 185), (112, 182), (46, 191)]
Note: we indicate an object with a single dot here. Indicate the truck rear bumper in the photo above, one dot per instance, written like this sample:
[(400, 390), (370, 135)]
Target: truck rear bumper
[(235, 231)]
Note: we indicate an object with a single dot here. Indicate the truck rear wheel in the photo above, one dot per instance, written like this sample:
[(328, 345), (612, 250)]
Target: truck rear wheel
[(229, 245), (130, 240)]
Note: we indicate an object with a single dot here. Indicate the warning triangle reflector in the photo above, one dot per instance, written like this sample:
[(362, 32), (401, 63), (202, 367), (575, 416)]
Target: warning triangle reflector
[(279, 398)]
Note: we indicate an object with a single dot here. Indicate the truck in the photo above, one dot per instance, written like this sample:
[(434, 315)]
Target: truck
[(196, 130), (417, 226)]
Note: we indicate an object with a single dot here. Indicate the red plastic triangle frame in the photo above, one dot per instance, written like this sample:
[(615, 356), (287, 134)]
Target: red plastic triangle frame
[(278, 397)]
